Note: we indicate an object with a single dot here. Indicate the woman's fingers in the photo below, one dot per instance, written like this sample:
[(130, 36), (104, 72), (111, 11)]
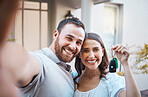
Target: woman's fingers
[(120, 48), (125, 51)]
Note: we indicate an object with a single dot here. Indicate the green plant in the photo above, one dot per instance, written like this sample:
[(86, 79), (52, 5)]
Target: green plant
[(142, 53), (142, 59), (121, 73)]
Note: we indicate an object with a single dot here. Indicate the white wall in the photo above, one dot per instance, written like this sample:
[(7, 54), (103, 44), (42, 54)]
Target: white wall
[(142, 81), (135, 21), (97, 19)]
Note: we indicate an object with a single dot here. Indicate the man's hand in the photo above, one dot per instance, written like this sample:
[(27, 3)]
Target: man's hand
[(8, 9)]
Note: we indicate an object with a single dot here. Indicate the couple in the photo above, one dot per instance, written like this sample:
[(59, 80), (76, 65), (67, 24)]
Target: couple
[(43, 73)]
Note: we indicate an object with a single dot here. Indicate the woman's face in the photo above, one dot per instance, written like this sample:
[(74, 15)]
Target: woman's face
[(91, 54)]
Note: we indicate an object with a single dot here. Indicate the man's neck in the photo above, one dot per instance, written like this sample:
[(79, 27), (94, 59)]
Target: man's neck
[(52, 47)]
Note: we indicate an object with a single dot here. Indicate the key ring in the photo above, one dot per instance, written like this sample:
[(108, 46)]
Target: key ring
[(113, 63), (112, 53)]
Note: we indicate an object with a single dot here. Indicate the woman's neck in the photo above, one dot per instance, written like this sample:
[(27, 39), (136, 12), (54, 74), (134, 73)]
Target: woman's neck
[(91, 73)]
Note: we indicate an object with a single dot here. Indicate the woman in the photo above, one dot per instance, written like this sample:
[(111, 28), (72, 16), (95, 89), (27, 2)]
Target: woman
[(92, 77)]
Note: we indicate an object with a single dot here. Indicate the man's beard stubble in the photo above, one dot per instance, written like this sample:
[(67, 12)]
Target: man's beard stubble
[(58, 52)]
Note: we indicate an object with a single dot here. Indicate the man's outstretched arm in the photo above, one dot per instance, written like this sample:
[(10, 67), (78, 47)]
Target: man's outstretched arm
[(15, 63), (8, 9)]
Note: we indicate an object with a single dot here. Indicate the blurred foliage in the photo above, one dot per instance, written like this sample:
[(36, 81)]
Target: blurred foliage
[(142, 59), (121, 73), (143, 68), (142, 54)]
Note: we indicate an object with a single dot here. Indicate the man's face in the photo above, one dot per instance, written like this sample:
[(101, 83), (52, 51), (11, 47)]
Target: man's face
[(69, 42)]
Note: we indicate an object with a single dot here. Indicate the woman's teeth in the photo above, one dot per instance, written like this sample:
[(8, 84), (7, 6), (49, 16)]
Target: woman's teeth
[(91, 61)]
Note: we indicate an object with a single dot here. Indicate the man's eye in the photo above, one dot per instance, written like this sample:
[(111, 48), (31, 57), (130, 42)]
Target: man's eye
[(69, 39), (78, 43)]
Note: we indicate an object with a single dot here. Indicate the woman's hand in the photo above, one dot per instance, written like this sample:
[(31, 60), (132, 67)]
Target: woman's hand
[(122, 53)]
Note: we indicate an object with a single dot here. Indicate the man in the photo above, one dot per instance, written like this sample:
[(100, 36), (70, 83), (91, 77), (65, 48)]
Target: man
[(43, 73)]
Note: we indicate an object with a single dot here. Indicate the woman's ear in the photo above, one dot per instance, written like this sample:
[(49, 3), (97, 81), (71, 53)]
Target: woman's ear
[(103, 52)]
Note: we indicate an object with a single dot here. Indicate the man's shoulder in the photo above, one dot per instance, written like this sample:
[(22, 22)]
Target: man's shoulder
[(42, 57), (37, 52)]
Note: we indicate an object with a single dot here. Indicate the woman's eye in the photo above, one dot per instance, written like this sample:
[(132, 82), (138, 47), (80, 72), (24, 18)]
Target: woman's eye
[(85, 51), (96, 49)]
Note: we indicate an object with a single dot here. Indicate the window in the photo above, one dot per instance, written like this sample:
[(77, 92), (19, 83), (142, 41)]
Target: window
[(112, 32), (31, 25)]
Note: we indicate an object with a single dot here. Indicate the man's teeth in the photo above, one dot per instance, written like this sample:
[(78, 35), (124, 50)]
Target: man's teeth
[(91, 61), (68, 51)]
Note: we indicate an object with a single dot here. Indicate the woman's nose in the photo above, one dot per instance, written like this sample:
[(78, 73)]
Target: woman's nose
[(91, 55)]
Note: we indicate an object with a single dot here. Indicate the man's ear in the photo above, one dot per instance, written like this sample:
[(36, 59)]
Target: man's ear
[(55, 34)]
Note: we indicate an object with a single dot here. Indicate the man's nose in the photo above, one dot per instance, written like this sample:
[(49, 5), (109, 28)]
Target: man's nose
[(72, 46)]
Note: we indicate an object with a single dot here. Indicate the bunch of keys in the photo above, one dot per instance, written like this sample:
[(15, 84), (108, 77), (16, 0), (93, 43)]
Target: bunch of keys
[(113, 65)]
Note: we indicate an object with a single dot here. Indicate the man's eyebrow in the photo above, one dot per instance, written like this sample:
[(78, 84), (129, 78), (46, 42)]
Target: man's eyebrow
[(70, 35)]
